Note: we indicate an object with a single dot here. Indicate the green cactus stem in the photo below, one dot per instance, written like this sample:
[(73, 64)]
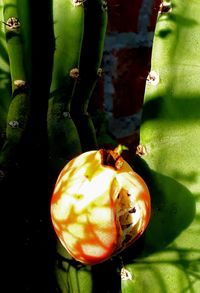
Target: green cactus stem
[(5, 83), (95, 23), (168, 257), (78, 54), (64, 143), (19, 108), (71, 276), (63, 138)]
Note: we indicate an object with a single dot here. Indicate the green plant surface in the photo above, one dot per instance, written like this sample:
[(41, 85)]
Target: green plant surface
[(167, 259), (19, 104), (95, 24), (5, 85), (79, 41), (68, 26), (71, 276)]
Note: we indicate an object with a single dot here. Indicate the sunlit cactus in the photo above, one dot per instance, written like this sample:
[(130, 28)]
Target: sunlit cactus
[(68, 20), (166, 256), (19, 107), (169, 157), (95, 24)]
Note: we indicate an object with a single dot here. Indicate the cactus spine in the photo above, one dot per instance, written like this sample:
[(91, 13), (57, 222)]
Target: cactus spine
[(19, 108), (170, 162)]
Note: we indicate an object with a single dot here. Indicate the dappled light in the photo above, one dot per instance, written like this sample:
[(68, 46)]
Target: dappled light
[(99, 206), (169, 252), (85, 220)]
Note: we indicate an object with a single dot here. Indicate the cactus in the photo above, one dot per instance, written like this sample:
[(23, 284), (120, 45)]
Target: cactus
[(168, 158), (77, 59), (82, 49), (5, 87), (19, 107), (68, 18), (95, 23), (166, 257)]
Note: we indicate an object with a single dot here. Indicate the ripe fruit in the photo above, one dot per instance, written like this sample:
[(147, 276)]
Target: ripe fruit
[(99, 205)]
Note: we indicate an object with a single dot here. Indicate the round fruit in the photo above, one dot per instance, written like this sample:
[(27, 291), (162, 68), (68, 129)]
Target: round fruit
[(99, 206)]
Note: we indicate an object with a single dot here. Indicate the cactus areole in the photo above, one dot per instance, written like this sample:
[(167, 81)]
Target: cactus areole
[(99, 206)]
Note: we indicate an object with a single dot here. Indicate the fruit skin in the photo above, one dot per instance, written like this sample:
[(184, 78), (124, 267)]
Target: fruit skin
[(99, 206)]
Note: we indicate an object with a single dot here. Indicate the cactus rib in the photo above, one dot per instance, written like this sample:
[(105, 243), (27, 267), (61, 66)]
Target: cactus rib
[(19, 109), (95, 23), (170, 135), (68, 31)]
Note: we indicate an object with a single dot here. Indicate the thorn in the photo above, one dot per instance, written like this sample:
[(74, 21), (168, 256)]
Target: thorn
[(125, 274), (12, 23), (153, 78), (66, 115), (78, 2), (13, 124), (165, 7), (74, 73), (141, 150)]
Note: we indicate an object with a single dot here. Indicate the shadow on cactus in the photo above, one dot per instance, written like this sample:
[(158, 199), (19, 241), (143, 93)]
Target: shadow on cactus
[(172, 258), (157, 251), (72, 276), (189, 109), (173, 209), (172, 212)]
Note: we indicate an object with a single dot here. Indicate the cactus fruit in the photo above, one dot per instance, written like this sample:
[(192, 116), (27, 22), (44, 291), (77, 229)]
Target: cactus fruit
[(99, 206), (170, 161), (101, 186)]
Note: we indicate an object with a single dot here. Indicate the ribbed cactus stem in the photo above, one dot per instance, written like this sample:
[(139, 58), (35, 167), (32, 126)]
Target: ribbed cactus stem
[(64, 143), (19, 108), (72, 25), (5, 84), (14, 41), (95, 23), (169, 156)]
